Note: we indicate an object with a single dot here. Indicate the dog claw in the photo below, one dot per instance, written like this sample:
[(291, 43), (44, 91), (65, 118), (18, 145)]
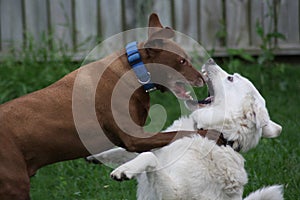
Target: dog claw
[(122, 177), (92, 159)]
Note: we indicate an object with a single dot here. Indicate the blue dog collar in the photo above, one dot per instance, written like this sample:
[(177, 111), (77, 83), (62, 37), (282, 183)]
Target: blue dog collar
[(135, 61)]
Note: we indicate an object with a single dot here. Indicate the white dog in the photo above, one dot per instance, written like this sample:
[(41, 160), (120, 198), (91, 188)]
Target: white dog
[(195, 167)]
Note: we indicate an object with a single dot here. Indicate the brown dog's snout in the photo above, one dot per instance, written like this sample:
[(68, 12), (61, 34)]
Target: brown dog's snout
[(199, 81), (194, 77)]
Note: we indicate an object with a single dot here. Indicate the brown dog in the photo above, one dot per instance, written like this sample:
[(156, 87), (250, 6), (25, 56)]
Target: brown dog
[(38, 129)]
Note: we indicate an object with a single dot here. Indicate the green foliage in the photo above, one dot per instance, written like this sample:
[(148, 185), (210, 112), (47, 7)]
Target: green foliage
[(237, 57), (268, 45), (27, 73), (268, 34), (46, 50), (79, 180)]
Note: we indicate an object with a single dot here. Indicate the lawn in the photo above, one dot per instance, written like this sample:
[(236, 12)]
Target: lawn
[(275, 161)]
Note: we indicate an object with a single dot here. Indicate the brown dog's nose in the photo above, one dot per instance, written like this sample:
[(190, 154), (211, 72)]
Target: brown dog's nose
[(210, 62)]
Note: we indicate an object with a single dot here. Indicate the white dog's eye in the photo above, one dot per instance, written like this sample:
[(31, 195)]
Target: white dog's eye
[(230, 78)]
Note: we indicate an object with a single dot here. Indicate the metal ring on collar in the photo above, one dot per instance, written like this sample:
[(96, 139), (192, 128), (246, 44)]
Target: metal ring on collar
[(145, 82)]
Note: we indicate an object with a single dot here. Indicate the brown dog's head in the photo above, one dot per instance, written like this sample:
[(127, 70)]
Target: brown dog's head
[(160, 49)]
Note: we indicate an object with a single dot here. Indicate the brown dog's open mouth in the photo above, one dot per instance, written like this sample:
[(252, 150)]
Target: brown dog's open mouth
[(181, 92)]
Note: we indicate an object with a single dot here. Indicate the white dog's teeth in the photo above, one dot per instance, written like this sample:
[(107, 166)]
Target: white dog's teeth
[(188, 93)]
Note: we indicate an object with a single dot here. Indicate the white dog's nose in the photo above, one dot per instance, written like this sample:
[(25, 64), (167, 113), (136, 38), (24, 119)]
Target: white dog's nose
[(210, 62), (271, 130)]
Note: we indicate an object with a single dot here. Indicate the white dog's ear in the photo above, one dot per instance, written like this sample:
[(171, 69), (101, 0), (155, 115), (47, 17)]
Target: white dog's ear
[(262, 120), (261, 114), (271, 130)]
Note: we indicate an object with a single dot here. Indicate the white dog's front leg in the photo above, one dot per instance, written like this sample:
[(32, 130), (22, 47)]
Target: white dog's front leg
[(142, 163), (116, 156)]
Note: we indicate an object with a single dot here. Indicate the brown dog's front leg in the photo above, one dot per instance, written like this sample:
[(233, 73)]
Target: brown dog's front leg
[(135, 144)]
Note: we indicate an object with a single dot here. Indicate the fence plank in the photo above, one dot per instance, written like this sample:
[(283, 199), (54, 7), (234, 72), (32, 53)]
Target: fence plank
[(211, 16), (36, 19), (237, 23), (256, 16), (11, 24), (178, 8), (268, 20), (61, 22), (75, 21), (130, 18), (111, 18), (288, 21), (186, 17), (163, 9), (86, 23)]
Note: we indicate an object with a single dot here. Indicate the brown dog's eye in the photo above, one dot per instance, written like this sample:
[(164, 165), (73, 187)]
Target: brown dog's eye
[(183, 61), (230, 78)]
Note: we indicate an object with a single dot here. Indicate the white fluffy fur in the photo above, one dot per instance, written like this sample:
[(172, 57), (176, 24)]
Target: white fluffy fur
[(195, 167), (273, 192)]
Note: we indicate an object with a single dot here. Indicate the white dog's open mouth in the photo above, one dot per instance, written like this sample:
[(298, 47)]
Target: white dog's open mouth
[(208, 100), (194, 104)]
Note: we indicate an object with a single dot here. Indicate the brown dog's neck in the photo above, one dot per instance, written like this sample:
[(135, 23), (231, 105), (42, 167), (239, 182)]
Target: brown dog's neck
[(149, 62), (131, 79), (146, 57), (144, 54)]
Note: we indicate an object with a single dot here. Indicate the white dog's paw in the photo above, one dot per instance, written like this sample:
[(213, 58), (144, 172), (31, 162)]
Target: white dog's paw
[(122, 173), (92, 159)]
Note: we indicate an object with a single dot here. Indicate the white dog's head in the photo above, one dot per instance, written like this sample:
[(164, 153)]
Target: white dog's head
[(234, 107)]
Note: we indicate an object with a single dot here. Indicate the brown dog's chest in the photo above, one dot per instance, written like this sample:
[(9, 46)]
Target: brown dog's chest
[(119, 105)]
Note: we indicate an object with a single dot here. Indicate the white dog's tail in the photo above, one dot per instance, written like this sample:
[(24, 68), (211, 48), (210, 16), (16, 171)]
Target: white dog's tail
[(268, 193)]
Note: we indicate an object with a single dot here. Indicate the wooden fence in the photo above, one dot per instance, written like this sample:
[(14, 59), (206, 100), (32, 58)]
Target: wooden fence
[(218, 24)]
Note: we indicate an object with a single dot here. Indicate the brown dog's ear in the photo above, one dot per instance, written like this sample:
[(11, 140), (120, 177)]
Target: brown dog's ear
[(156, 34), (153, 23), (162, 33), (156, 30), (156, 41)]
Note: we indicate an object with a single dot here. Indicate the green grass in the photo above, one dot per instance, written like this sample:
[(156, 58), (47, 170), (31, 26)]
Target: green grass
[(275, 161)]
